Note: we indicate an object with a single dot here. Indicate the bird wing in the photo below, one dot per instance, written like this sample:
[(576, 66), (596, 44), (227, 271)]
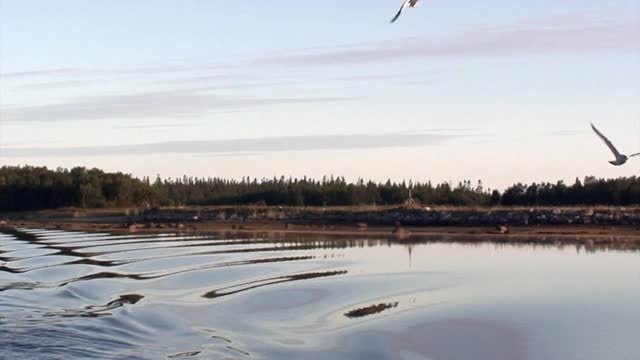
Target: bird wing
[(606, 141), (636, 154), (404, 5)]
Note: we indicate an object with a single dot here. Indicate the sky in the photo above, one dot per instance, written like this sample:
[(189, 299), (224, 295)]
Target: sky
[(495, 90)]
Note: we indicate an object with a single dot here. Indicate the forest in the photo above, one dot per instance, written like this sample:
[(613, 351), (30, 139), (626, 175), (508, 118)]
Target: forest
[(34, 188)]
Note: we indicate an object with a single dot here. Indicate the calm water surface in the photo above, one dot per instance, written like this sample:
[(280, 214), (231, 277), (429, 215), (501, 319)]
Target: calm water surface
[(71, 295)]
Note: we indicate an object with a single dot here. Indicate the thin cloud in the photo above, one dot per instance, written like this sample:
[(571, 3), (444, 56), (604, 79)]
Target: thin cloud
[(51, 85), (134, 70), (227, 82), (568, 33), (201, 79), (176, 103), (527, 39), (249, 85), (373, 77), (162, 69), (250, 146), (157, 126), (38, 73)]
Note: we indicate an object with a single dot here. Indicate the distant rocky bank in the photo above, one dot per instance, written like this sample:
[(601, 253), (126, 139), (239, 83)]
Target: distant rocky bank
[(404, 216), (601, 226), (417, 217)]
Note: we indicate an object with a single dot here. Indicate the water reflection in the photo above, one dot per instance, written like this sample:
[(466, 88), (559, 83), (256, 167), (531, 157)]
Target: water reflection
[(283, 295), (370, 310), (96, 311), (184, 355), (230, 290)]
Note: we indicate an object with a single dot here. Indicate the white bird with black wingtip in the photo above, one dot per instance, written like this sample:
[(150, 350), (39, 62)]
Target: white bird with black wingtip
[(407, 3), (620, 158)]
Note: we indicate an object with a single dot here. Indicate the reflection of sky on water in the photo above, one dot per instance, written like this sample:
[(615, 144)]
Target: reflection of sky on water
[(214, 296)]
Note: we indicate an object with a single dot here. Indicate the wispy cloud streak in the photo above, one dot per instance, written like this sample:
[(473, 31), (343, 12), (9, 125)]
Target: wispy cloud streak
[(54, 85), (134, 70), (161, 104), (528, 39), (38, 73), (257, 145)]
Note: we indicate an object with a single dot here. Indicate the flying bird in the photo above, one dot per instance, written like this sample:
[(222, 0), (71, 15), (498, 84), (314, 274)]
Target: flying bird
[(409, 3), (620, 158)]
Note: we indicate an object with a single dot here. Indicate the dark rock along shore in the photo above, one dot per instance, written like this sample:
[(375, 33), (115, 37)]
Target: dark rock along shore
[(409, 217)]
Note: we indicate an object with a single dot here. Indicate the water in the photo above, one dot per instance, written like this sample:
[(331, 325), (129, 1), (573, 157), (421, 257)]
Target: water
[(71, 295)]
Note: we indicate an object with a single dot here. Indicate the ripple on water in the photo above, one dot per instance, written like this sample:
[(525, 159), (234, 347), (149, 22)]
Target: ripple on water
[(95, 295), (40, 262)]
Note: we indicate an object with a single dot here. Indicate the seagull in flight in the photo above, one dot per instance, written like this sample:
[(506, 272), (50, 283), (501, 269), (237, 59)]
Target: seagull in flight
[(620, 158), (409, 3)]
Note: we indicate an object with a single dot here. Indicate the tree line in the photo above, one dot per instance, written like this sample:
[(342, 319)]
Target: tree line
[(34, 188)]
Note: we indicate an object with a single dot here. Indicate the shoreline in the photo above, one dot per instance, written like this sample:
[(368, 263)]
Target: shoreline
[(273, 222), (595, 232)]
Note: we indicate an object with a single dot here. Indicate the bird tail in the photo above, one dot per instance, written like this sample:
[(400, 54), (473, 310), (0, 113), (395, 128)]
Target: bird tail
[(396, 17)]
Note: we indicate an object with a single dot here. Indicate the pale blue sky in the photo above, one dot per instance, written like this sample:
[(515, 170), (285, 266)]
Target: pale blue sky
[(496, 90)]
